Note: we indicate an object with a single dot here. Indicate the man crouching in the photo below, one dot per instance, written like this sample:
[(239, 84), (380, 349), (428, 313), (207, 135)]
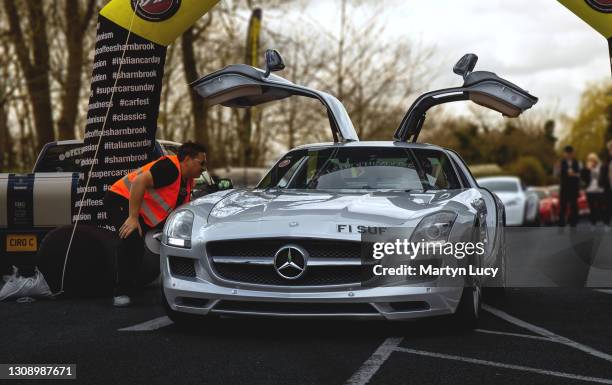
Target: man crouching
[(141, 201)]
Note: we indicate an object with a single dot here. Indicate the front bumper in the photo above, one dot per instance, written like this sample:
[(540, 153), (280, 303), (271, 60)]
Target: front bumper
[(198, 296)]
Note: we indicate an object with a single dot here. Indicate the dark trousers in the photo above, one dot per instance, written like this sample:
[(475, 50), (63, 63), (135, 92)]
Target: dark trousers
[(598, 208), (128, 258), (568, 199), (607, 202)]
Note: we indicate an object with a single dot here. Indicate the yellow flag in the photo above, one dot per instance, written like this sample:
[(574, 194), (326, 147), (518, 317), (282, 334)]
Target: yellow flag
[(597, 14), (252, 44), (160, 21)]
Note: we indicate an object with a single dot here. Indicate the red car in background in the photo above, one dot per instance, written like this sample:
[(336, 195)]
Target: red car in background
[(549, 205), (583, 204)]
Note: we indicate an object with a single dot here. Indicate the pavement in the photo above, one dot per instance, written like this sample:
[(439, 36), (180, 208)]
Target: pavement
[(546, 335), (533, 336)]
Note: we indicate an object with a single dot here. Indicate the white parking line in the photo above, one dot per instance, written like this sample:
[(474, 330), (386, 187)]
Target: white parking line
[(153, 324), (547, 333), (607, 291), (515, 335), (505, 366), (371, 366)]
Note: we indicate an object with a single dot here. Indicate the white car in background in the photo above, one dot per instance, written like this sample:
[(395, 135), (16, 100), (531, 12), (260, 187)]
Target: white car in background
[(521, 205)]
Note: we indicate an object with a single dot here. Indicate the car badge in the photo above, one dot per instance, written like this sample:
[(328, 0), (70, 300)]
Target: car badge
[(290, 261)]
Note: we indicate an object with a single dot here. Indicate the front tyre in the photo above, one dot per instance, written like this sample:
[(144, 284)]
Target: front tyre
[(468, 311)]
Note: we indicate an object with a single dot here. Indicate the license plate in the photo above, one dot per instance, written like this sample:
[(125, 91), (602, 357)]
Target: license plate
[(16, 242)]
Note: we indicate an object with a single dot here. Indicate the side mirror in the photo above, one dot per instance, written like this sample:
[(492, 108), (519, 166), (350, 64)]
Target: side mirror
[(274, 62), (153, 241), (225, 184), (465, 65)]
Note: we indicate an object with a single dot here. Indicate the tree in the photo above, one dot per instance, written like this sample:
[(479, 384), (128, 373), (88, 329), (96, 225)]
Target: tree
[(519, 146), (529, 169), (198, 109), (32, 51), (373, 77), (76, 22), (8, 85), (592, 127)]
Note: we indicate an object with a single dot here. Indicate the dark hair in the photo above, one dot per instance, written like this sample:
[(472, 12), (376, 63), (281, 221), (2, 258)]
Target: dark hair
[(190, 149), (568, 149)]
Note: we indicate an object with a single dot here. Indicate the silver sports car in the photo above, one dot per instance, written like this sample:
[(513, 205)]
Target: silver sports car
[(294, 245)]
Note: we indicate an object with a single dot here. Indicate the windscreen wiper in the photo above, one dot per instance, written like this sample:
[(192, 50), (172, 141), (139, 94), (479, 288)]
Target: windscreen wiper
[(318, 173)]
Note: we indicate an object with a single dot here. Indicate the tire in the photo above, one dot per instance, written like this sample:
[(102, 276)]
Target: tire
[(89, 267), (497, 291), (149, 268), (468, 312)]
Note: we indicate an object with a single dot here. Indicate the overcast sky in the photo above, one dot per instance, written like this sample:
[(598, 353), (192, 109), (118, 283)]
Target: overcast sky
[(537, 44)]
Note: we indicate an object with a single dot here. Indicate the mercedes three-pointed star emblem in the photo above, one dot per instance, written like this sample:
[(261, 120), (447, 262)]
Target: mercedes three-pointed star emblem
[(290, 261)]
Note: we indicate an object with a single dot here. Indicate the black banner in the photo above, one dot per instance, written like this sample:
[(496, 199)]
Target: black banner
[(123, 109)]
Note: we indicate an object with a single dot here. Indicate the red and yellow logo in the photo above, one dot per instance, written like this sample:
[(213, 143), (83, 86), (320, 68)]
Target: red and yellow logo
[(156, 10), (160, 21), (600, 5)]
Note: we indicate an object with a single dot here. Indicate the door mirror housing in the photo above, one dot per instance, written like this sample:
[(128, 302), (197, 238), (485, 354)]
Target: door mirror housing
[(465, 65), (274, 62)]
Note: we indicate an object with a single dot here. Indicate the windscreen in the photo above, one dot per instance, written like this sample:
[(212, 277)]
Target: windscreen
[(60, 158), (500, 185), (64, 157), (362, 168)]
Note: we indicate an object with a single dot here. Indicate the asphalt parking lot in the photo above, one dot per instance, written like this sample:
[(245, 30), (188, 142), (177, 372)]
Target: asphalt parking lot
[(535, 336)]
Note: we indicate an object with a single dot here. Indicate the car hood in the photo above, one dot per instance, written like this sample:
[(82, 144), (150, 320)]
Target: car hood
[(383, 208)]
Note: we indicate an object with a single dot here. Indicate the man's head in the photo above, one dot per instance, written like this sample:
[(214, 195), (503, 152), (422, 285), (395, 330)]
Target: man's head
[(192, 157), (568, 152)]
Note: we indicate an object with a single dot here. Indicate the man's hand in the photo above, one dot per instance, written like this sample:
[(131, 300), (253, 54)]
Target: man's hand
[(128, 226)]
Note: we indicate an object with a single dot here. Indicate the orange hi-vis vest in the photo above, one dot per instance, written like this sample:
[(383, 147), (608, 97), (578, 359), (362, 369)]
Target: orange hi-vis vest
[(157, 203)]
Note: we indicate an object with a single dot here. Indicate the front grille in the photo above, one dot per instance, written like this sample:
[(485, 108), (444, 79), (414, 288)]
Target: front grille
[(183, 267), (317, 248), (296, 308), (266, 275), (267, 248)]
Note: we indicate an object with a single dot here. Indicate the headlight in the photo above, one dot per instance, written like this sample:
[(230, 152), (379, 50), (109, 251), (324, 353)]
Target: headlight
[(178, 229), (434, 228)]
